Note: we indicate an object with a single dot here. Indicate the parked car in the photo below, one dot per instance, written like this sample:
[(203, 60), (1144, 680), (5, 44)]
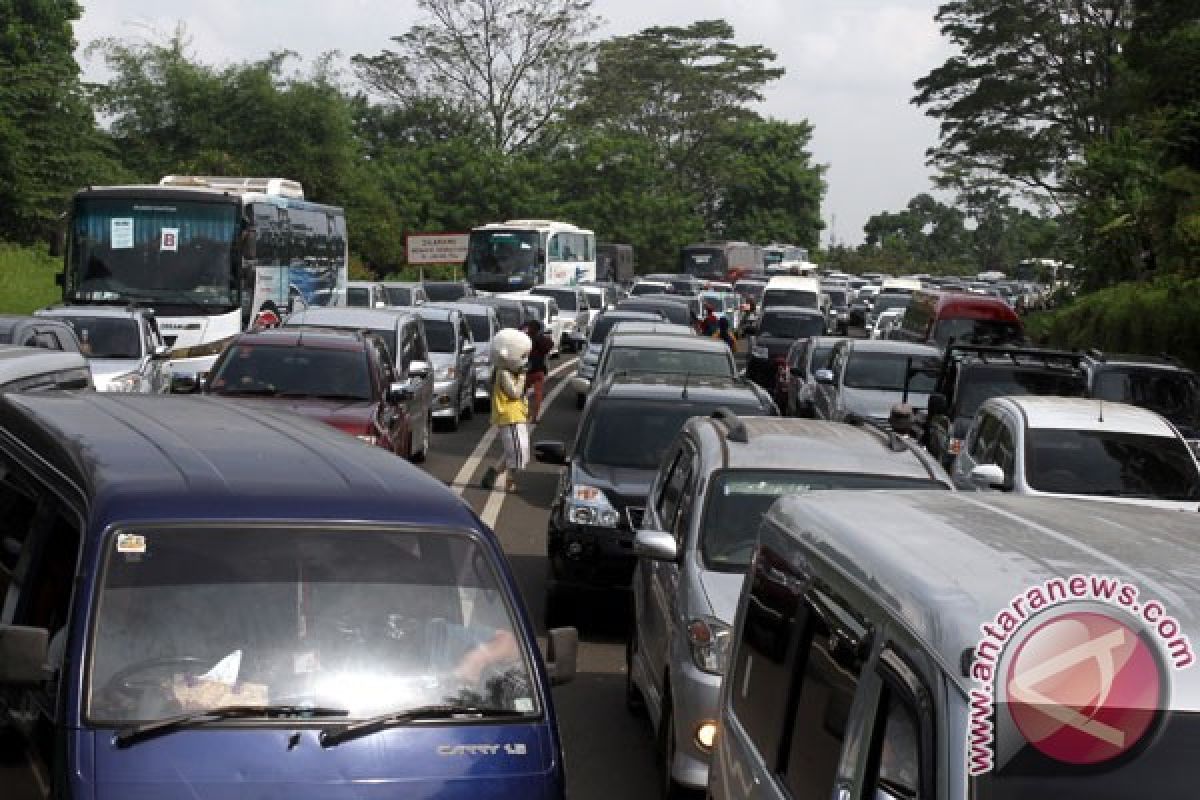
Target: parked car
[(574, 312), (605, 323), (945, 318), (676, 313), (970, 374), (452, 353), (697, 537), (1080, 448), (860, 662), (404, 293), (805, 357), (30, 331), (626, 428), (123, 346), (769, 341), (447, 291), (484, 323), (1159, 383), (404, 335), (25, 369), (205, 599), (676, 353), (868, 378), (344, 379)]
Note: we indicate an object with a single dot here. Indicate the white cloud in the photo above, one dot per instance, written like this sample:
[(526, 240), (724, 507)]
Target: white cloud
[(850, 66)]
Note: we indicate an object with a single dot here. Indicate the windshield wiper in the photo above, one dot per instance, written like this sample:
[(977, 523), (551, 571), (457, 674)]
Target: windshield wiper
[(140, 733), (333, 736)]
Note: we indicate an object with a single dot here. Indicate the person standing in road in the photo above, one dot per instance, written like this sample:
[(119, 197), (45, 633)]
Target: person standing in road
[(510, 353), (725, 335), (708, 325), (540, 351)]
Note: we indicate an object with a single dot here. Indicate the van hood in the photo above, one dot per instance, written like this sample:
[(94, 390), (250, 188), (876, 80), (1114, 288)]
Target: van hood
[(289, 763), (623, 485)]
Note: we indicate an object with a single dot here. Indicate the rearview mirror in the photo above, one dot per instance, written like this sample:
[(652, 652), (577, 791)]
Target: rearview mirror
[(418, 369), (824, 376), (987, 476), (550, 452), (562, 655), (23, 655), (655, 545)]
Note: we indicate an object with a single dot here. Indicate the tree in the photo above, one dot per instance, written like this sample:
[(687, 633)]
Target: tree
[(48, 144), (511, 64)]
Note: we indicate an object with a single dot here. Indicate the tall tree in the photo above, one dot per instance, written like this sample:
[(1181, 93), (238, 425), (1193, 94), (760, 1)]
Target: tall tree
[(48, 144), (510, 63)]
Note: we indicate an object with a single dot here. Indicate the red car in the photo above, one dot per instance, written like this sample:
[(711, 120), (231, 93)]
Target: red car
[(344, 379)]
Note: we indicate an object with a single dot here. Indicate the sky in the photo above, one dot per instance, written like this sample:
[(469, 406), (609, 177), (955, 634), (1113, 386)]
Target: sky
[(850, 67)]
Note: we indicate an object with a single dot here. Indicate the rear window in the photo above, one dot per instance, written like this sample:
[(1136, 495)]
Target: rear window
[(439, 333), (604, 324), (791, 326), (397, 296), (1172, 394), (445, 292), (977, 331), (647, 288), (567, 299), (1107, 464), (636, 433), (789, 297), (886, 372), (481, 327), (662, 361), (509, 316), (358, 297), (983, 383)]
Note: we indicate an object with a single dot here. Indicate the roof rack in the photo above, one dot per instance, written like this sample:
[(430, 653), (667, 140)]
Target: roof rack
[(734, 426), (280, 187), (895, 442)]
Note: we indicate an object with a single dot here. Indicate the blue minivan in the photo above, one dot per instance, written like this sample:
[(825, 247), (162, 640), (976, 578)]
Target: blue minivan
[(206, 600)]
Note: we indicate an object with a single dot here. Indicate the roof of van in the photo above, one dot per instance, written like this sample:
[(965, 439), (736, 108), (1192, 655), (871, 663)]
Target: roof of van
[(169, 458), (793, 282), (344, 317), (943, 564), (963, 305)]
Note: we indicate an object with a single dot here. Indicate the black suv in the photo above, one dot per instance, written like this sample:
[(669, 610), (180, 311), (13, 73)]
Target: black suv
[(971, 374), (1161, 384), (777, 329), (627, 426)]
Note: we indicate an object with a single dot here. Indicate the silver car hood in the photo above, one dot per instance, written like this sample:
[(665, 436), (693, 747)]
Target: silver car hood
[(722, 590), (877, 403)]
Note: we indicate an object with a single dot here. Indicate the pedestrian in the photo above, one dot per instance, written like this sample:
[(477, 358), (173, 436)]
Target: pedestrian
[(708, 326), (725, 335), (510, 354), (539, 352)]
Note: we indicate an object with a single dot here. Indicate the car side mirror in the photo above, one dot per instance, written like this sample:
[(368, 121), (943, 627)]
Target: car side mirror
[(938, 405), (562, 655), (824, 376), (184, 384), (399, 393), (987, 476), (23, 655), (469, 347), (418, 369), (160, 351), (655, 545), (550, 452)]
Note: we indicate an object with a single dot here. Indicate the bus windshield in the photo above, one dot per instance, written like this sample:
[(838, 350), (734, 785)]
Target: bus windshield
[(512, 254), (167, 252)]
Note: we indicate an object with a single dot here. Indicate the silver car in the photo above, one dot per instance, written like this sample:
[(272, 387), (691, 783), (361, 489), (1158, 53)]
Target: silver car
[(452, 353), (867, 378), (697, 538), (484, 323), (123, 346)]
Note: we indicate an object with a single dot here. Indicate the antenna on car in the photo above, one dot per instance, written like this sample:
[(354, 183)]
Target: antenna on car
[(687, 376), (1101, 410)]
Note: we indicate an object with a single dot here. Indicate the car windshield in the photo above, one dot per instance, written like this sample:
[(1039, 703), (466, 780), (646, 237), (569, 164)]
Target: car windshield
[(439, 334), (367, 621), (790, 297), (398, 296), (1111, 464), (883, 302), (886, 372), (977, 331), (977, 385), (107, 337), (791, 326), (481, 327), (566, 298), (297, 371), (445, 292), (500, 252), (636, 434), (664, 361), (1172, 394), (738, 499)]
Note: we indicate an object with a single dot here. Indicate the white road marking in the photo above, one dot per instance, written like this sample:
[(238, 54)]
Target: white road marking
[(495, 501), (460, 482)]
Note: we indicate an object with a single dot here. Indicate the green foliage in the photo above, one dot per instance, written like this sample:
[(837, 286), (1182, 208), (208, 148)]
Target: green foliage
[(27, 277)]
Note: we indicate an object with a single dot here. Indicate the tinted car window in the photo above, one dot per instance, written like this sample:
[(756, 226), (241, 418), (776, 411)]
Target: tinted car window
[(566, 298), (293, 371), (358, 297), (509, 316), (976, 331), (837, 298), (368, 621), (790, 326), (481, 327), (107, 337), (883, 302), (988, 382), (1172, 394), (647, 288), (885, 372), (668, 362), (398, 296), (738, 500), (630, 433), (1110, 465), (439, 335), (790, 297), (445, 292)]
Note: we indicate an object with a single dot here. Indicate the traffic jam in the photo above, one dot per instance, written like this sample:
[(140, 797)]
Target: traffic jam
[(736, 527)]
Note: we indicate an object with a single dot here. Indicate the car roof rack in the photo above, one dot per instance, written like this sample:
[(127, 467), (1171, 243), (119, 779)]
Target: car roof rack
[(895, 442), (991, 354), (735, 428)]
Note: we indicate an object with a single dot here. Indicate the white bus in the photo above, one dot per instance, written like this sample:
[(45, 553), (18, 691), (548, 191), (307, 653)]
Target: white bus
[(523, 253), (207, 254)]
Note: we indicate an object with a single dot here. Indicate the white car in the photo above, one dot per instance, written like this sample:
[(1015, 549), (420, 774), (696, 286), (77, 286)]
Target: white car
[(1079, 448), (886, 322), (553, 323), (123, 346)]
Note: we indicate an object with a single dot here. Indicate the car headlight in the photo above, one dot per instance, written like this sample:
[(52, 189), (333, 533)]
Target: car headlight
[(588, 505), (758, 352), (129, 382), (710, 640), (446, 374)]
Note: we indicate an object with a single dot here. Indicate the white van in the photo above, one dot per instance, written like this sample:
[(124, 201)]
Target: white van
[(900, 286), (789, 290)]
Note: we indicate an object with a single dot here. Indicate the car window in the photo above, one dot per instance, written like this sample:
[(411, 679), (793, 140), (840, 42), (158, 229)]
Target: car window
[(667, 501), (1004, 455), (660, 361), (267, 370), (358, 297), (107, 337), (896, 760), (885, 372), (986, 429), (385, 359), (790, 326), (673, 493), (1111, 464), (439, 335)]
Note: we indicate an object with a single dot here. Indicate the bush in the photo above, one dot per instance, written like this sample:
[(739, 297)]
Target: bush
[(27, 279)]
